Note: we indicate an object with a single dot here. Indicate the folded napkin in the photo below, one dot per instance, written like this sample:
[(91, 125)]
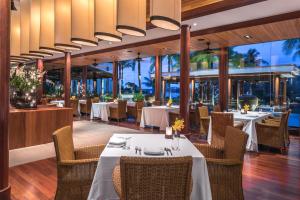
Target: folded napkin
[(117, 141), (154, 151)]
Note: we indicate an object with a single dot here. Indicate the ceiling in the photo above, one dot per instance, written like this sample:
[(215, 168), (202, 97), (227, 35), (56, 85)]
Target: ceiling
[(217, 28)]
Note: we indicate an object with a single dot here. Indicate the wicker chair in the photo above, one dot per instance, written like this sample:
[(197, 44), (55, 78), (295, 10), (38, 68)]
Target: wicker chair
[(273, 134), (95, 100), (118, 112), (225, 165), (219, 123), (156, 103), (217, 108), (204, 120), (74, 106), (75, 167), (132, 111), (140, 178), (86, 108)]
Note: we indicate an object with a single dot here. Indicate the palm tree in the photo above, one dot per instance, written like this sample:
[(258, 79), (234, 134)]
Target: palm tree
[(200, 57), (291, 45), (251, 58), (235, 58)]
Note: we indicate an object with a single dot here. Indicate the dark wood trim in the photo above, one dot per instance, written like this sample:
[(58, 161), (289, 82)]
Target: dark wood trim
[(4, 97), (67, 79), (223, 78), (84, 78), (115, 79), (184, 75), (157, 78), (216, 7)]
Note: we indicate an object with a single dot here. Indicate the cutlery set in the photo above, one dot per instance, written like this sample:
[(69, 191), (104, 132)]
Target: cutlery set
[(138, 149), (168, 151)]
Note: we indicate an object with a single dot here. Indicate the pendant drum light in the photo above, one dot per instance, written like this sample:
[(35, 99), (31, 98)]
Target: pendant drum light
[(106, 21), (83, 23), (132, 17), (47, 27), (34, 36), (25, 30), (166, 14), (63, 26)]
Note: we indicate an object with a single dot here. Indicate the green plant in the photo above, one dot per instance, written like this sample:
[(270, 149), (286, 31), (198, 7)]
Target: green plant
[(138, 97), (107, 97)]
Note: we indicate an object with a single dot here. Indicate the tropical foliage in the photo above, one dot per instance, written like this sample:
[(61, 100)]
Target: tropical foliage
[(292, 46), (138, 97)]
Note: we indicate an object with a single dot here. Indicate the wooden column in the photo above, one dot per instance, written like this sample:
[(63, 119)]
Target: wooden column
[(184, 75), (284, 100), (276, 88), (4, 97), (115, 79), (40, 66), (157, 78), (84, 78), (163, 85), (67, 78), (229, 91), (223, 78)]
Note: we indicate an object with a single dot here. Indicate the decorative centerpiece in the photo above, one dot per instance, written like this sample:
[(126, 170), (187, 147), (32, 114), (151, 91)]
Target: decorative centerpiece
[(245, 109), (73, 97), (137, 97), (23, 85), (170, 102), (178, 126)]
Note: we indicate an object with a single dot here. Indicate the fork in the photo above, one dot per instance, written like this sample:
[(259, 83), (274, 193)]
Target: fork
[(170, 151), (140, 150), (166, 150), (136, 149)]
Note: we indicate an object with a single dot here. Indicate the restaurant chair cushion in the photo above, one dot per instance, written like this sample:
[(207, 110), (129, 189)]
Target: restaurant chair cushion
[(63, 142)]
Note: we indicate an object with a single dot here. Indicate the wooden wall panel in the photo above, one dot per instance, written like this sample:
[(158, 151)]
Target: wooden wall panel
[(34, 127)]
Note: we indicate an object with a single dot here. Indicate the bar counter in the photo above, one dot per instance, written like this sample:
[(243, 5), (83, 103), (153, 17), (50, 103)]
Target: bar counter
[(36, 126)]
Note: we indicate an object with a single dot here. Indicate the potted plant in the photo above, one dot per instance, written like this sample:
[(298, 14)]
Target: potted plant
[(138, 97), (23, 85)]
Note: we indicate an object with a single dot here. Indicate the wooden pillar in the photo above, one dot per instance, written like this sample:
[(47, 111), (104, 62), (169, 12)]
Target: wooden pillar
[(67, 78), (276, 88), (157, 78), (223, 78), (163, 91), (284, 100), (40, 66), (84, 79), (184, 75), (115, 79), (229, 91), (4, 97)]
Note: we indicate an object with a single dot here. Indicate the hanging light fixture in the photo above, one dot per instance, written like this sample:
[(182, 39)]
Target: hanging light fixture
[(132, 17), (12, 5), (83, 23), (63, 26), (47, 27), (34, 30), (166, 14), (106, 21), (25, 30)]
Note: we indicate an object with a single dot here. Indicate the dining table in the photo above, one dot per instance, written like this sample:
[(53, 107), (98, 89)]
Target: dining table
[(102, 187), (61, 103), (101, 110), (157, 116), (249, 121)]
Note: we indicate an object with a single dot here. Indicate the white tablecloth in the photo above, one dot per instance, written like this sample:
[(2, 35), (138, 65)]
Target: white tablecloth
[(59, 103), (103, 189), (249, 121), (157, 116), (101, 110)]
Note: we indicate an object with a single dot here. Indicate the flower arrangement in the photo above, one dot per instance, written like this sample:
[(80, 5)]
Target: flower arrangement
[(178, 125), (170, 102), (23, 84), (246, 107), (73, 98)]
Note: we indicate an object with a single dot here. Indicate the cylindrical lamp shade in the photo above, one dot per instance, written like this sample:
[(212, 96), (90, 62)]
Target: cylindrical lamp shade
[(25, 30), (34, 29), (63, 26), (15, 35), (132, 17), (83, 23), (47, 27), (166, 14), (106, 20)]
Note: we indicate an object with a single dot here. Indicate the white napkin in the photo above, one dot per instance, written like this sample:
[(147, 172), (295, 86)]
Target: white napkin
[(117, 141), (153, 151)]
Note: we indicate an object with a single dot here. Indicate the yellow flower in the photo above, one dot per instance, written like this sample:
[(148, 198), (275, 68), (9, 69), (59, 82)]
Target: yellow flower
[(246, 107), (170, 101), (178, 124)]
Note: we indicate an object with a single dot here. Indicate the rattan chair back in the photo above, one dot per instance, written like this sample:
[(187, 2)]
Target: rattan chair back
[(74, 105), (156, 178), (217, 108), (63, 143), (235, 143), (219, 122), (203, 111)]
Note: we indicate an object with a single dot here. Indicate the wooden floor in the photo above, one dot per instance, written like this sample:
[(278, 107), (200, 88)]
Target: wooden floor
[(266, 175)]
